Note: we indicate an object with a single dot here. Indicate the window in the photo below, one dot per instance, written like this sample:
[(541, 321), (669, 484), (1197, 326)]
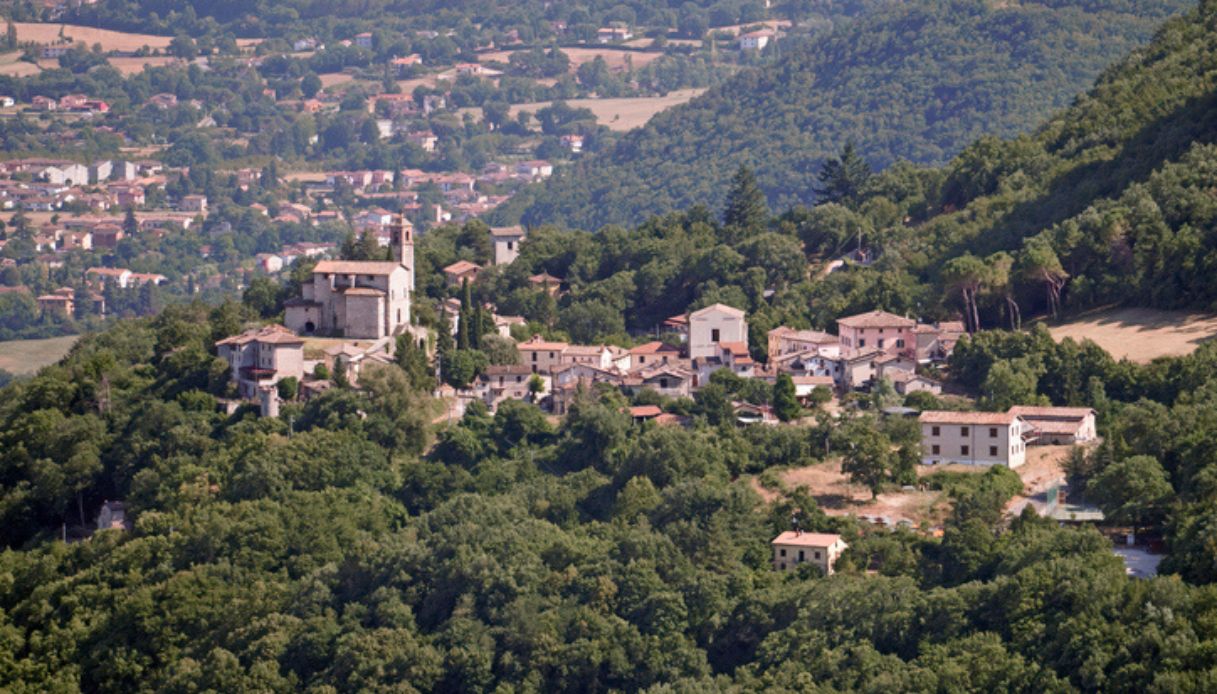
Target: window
[(992, 451), (801, 557), (992, 432), (881, 341), (900, 343), (663, 383), (817, 554), (963, 450), (963, 431), (862, 342), (642, 360), (935, 431), (781, 552), (534, 356), (935, 449), (510, 245), (714, 335)]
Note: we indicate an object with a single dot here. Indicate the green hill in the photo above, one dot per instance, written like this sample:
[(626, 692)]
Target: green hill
[(915, 81)]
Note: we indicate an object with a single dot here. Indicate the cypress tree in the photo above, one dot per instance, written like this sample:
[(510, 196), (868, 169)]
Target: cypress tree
[(746, 207)]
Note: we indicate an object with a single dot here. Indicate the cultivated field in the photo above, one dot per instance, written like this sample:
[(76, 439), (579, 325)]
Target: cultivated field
[(24, 357), (614, 57), (1141, 334), (621, 114), (10, 66), (109, 40)]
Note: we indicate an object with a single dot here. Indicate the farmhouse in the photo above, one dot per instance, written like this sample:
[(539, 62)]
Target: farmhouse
[(755, 41), (262, 357), (1059, 425), (462, 271), (973, 438), (792, 548)]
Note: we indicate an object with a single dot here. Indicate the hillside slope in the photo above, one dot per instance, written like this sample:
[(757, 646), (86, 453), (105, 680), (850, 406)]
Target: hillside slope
[(916, 81)]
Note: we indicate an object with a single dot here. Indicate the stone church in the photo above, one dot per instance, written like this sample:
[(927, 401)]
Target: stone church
[(359, 299)]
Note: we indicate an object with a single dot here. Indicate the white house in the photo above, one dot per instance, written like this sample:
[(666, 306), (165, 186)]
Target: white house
[(973, 438), (714, 324), (792, 548)]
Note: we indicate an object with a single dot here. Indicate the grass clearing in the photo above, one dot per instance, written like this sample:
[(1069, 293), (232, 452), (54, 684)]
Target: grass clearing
[(617, 114), (25, 357), (1141, 334)]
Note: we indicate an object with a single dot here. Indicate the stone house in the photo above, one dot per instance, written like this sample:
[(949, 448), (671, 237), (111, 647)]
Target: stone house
[(262, 357), (879, 330)]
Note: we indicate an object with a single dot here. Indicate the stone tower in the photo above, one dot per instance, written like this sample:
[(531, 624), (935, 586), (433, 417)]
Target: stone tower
[(402, 232)]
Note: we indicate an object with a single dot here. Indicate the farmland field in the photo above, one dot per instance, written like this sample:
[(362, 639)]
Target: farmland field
[(1141, 334), (12, 67), (24, 357), (615, 57), (109, 40), (616, 114)]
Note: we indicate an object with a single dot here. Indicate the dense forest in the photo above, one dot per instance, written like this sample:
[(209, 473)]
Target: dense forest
[(915, 81)]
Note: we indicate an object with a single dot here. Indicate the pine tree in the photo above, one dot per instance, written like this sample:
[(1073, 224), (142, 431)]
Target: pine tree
[(843, 178), (130, 223), (785, 401), (746, 207), (462, 328)]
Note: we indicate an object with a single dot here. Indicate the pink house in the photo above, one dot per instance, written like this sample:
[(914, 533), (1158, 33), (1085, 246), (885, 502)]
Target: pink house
[(878, 330)]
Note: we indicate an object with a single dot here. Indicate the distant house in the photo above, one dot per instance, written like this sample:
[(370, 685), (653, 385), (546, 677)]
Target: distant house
[(425, 139), (61, 303), (792, 548), (546, 282), (755, 41), (611, 34), (508, 382), (784, 340), (364, 40), (652, 354), (119, 277), (973, 438), (541, 356), (262, 357), (1058, 425), (535, 169), (714, 324), (878, 329), (43, 103), (461, 271), (506, 242), (573, 142), (113, 516), (193, 203)]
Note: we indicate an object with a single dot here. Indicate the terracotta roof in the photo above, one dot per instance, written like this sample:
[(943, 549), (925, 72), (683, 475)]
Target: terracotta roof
[(815, 336), (654, 348), (940, 417), (460, 267), (735, 348), (355, 267), (584, 350), (877, 319), (812, 380), (272, 334), (507, 231), (729, 310), (645, 411), (790, 537), (537, 343), (1072, 413), (545, 278)]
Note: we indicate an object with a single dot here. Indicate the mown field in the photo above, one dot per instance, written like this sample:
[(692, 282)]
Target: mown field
[(1141, 334), (24, 357)]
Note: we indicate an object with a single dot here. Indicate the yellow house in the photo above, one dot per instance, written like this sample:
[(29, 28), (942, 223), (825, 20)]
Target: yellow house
[(792, 548)]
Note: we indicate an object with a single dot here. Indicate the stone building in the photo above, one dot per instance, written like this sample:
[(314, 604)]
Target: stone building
[(356, 298)]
